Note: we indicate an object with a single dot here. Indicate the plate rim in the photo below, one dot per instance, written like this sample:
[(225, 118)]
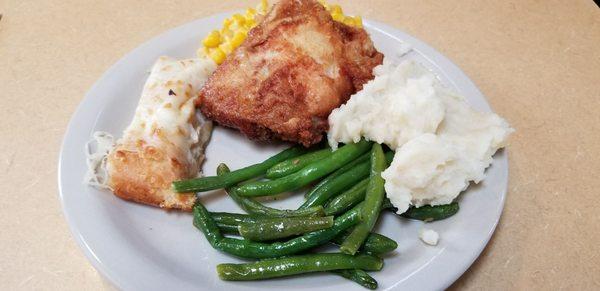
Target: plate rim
[(430, 53)]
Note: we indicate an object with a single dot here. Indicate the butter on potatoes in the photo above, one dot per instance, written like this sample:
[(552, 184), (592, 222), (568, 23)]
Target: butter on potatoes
[(441, 143)]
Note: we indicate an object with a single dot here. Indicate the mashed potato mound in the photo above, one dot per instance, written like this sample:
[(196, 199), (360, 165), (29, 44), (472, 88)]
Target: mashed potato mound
[(441, 143), (401, 103)]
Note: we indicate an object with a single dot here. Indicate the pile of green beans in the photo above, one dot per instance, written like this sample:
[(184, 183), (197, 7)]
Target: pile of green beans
[(342, 208)]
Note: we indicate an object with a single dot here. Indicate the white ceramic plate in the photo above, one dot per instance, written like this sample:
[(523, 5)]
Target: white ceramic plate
[(143, 248)]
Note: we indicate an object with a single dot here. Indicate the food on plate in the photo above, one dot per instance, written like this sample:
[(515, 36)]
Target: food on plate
[(289, 73), (220, 43), (294, 72), (429, 236), (262, 233), (441, 144), (347, 219), (166, 139), (297, 265)]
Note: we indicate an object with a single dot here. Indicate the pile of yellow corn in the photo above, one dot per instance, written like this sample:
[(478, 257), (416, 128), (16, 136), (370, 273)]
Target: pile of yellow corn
[(219, 43)]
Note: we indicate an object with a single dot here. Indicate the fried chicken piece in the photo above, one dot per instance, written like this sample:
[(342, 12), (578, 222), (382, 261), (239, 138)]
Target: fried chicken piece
[(293, 69)]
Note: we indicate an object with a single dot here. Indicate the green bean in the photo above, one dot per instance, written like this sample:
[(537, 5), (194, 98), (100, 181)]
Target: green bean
[(216, 182), (228, 228), (288, 266), (347, 199), (372, 206), (203, 221), (256, 208), (232, 218), (295, 164), (359, 276), (229, 222), (387, 204), (363, 158), (425, 213), (250, 249), (429, 213), (337, 185), (308, 174), (275, 228), (352, 196), (375, 243)]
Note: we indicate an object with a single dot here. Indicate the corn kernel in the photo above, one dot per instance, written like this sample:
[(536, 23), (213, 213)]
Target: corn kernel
[(336, 9), (217, 55), (235, 26), (337, 17), (250, 13), (226, 34), (239, 19), (358, 21), (213, 39), (237, 39), (226, 48), (348, 20), (227, 22), (250, 23)]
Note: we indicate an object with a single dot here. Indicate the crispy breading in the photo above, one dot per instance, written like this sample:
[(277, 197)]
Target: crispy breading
[(165, 140), (294, 68), (143, 174)]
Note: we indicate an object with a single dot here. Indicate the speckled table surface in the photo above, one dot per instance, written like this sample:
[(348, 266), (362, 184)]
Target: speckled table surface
[(537, 62)]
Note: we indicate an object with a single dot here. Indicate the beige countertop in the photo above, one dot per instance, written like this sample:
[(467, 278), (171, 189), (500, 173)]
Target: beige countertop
[(538, 63)]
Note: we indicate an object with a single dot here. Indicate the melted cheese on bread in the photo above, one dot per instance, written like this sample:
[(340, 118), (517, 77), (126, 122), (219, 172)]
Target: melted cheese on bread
[(166, 139)]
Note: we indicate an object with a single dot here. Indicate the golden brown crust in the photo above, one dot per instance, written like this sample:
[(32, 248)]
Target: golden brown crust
[(143, 174), (290, 73)]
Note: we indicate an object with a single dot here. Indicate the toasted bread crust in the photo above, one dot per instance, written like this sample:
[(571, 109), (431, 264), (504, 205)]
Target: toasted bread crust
[(143, 174)]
